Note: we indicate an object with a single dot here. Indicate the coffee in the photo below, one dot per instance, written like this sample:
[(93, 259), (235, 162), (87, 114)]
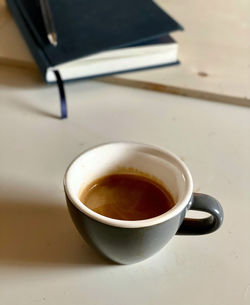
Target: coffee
[(127, 197)]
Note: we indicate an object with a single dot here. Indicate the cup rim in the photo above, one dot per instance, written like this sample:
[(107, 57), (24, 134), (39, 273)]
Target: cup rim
[(132, 223)]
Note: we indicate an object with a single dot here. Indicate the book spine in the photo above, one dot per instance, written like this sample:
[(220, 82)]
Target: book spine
[(35, 50)]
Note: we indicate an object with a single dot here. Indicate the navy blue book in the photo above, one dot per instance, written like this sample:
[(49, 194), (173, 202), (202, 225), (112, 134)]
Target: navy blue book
[(97, 38)]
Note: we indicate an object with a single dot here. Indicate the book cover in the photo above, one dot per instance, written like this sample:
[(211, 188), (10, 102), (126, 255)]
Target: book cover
[(90, 27)]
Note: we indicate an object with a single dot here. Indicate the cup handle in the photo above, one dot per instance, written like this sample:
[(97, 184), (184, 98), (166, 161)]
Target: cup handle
[(204, 203)]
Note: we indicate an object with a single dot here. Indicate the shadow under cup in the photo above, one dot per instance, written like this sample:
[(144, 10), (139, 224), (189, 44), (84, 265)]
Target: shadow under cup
[(125, 241)]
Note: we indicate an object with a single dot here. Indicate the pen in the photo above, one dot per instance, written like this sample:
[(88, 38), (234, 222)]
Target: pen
[(48, 22)]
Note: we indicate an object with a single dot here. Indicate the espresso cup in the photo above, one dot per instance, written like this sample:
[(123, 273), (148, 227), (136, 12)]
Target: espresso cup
[(126, 241)]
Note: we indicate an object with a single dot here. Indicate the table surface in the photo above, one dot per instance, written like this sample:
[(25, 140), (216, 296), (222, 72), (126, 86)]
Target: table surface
[(214, 52), (213, 49), (43, 260)]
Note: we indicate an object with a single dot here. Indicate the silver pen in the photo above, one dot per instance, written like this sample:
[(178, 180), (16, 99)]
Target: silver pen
[(48, 22)]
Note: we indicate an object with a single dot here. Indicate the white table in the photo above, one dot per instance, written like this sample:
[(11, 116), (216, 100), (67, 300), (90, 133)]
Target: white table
[(43, 260)]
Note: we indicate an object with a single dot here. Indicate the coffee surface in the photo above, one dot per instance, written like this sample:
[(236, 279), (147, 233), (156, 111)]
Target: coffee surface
[(127, 197)]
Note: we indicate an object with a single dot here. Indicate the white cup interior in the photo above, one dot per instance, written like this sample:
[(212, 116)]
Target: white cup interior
[(121, 157)]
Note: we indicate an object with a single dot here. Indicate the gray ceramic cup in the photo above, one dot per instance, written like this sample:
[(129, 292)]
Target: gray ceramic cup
[(127, 242)]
